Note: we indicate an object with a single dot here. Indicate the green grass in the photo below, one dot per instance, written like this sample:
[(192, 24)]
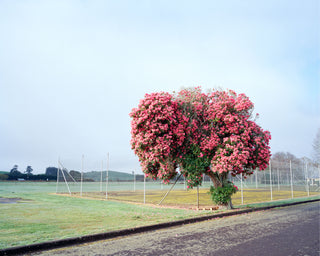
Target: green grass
[(41, 216), (278, 202)]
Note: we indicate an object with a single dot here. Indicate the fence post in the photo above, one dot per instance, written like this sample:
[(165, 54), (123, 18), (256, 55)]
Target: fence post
[(241, 190), (134, 181), (307, 176), (144, 189), (270, 179), (278, 178), (107, 176), (256, 174), (291, 180), (58, 176), (81, 175), (101, 176), (198, 196)]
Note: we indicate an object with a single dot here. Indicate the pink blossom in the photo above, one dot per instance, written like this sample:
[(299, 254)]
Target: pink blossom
[(165, 126)]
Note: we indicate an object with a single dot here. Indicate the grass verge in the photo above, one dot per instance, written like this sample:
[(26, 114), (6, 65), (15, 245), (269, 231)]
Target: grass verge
[(278, 202)]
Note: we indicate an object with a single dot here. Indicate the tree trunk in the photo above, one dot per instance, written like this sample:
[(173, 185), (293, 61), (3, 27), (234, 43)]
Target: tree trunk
[(218, 180), (230, 206)]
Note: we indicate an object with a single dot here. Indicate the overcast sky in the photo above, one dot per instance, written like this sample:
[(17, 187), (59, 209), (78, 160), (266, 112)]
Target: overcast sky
[(71, 71)]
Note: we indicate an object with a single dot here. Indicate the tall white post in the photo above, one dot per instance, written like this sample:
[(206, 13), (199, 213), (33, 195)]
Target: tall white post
[(107, 176), (144, 189), (81, 175), (270, 180), (307, 177), (291, 181), (278, 178), (58, 171), (198, 197), (241, 190), (101, 176), (134, 181)]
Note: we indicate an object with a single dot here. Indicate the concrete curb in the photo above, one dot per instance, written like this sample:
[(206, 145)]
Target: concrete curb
[(125, 232)]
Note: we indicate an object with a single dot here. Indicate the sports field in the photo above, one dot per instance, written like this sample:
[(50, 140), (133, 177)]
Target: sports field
[(34, 213), (191, 199)]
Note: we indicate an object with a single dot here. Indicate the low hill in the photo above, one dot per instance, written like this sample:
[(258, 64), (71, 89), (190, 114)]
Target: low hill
[(113, 176)]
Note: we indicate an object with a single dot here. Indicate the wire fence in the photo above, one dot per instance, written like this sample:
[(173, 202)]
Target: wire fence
[(281, 180)]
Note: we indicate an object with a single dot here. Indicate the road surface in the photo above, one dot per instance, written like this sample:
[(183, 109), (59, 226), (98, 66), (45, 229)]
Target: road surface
[(285, 231)]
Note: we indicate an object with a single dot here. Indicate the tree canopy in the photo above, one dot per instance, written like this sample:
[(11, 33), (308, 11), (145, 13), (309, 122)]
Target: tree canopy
[(200, 133), (14, 171), (29, 170)]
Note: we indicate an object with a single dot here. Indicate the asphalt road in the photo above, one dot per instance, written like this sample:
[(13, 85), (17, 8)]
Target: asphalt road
[(284, 231)]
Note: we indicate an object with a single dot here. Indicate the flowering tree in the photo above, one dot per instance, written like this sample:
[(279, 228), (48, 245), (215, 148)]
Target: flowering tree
[(199, 133)]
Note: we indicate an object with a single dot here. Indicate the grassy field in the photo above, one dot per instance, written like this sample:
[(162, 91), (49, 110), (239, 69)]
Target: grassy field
[(189, 198), (41, 215)]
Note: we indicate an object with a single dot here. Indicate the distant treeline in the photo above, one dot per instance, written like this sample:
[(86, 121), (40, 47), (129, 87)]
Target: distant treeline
[(52, 173), (15, 174), (23, 176)]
